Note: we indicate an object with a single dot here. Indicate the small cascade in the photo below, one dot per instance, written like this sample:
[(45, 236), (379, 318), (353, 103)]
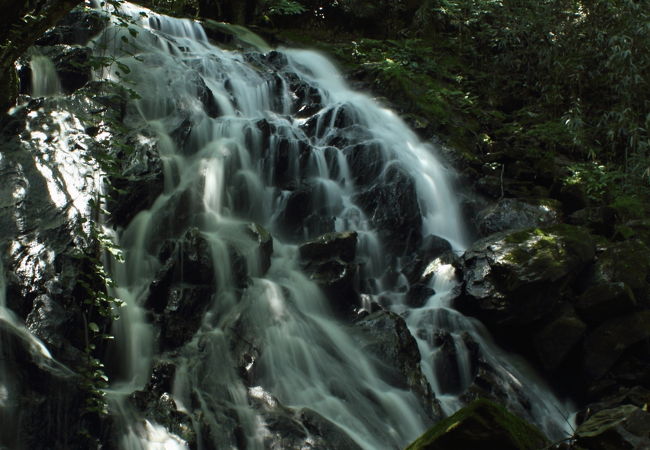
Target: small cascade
[(45, 80), (222, 324)]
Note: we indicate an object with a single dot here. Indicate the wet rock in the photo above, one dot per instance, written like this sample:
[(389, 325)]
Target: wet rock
[(331, 435), (48, 182), (139, 181), (514, 279), (342, 245), (558, 338), (605, 345), (329, 261), (599, 219), (416, 265), (445, 363), (156, 404), (264, 245), (54, 325), (303, 217), (418, 294), (307, 98), (296, 428), (366, 161), (183, 288), (32, 386), (73, 67), (482, 424), (624, 427), (510, 214), (602, 301), (387, 338), (392, 207), (204, 94)]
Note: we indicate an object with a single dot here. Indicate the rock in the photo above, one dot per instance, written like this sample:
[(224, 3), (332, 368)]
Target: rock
[(627, 261), (296, 428), (183, 288), (624, 427), (139, 180), (73, 66), (605, 345), (342, 245), (516, 278), (636, 395), (366, 161), (76, 28), (265, 246), (599, 219), (445, 364), (602, 301), (558, 338), (573, 198), (392, 207), (387, 338), (511, 214), (431, 248), (157, 405), (303, 217), (482, 424), (329, 261), (331, 435), (32, 386), (418, 294)]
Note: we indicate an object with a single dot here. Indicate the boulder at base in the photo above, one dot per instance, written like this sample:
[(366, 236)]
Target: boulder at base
[(515, 279), (481, 424)]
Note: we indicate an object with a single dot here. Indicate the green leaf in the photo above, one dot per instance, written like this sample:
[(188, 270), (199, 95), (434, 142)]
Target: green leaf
[(92, 326)]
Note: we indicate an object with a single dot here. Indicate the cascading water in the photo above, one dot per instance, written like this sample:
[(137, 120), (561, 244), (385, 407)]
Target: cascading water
[(265, 138)]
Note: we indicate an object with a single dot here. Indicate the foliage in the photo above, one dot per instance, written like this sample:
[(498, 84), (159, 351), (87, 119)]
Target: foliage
[(283, 7)]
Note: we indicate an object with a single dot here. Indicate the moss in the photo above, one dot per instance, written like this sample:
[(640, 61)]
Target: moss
[(482, 424)]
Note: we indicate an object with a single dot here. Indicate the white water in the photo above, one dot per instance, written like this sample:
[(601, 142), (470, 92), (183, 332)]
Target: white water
[(45, 80), (307, 357)]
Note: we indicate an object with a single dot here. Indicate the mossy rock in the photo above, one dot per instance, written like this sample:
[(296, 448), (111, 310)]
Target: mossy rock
[(481, 424), (517, 278)]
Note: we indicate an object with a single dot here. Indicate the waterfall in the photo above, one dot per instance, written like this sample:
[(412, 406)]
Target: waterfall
[(257, 139), (45, 80)]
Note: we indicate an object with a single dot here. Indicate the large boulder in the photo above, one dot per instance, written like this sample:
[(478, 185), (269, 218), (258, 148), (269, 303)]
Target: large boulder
[(482, 424), (515, 279)]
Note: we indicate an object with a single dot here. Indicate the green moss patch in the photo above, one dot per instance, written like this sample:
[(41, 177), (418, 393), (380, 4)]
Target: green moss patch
[(482, 424)]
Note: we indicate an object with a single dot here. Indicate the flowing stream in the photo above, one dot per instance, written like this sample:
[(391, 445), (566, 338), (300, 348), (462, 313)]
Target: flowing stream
[(239, 134)]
